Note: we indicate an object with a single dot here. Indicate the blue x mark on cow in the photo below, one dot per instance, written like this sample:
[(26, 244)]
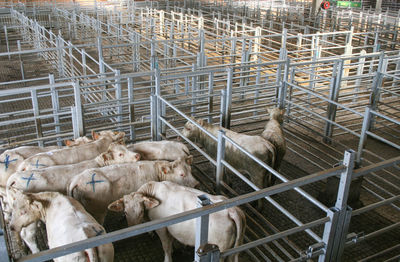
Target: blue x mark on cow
[(93, 182), (37, 165), (7, 161), (28, 179)]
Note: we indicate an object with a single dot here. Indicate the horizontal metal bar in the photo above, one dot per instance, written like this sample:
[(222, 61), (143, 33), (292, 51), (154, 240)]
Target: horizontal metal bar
[(376, 167), (375, 205)]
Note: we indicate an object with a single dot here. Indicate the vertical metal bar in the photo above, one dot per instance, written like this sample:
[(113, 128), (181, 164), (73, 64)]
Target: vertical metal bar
[(222, 109), (329, 234), (158, 105), (84, 62), (375, 93), (79, 109), (363, 136), (201, 226), (20, 60), (100, 53), (131, 108), (153, 111), (220, 156), (341, 205), (283, 85), (56, 108), (228, 105), (118, 96), (6, 37), (210, 97), (36, 113), (194, 92)]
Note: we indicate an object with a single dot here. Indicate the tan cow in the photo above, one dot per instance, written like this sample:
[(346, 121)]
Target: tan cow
[(164, 199), (256, 145), (66, 222), (96, 188), (273, 133), (75, 154)]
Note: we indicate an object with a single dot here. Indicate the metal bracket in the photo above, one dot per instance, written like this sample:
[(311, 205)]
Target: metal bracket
[(208, 252), (315, 249)]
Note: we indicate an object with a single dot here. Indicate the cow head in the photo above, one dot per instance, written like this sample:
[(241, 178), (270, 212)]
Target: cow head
[(77, 142), (27, 209), (179, 171), (116, 136), (134, 206), (277, 114), (117, 154), (191, 131)]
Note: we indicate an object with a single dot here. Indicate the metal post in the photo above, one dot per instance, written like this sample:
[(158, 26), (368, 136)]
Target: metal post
[(36, 113), (100, 53), (131, 108), (118, 96), (363, 136), (336, 230), (333, 95), (56, 108), (201, 227), (6, 37), (159, 124), (222, 109), (376, 85), (20, 60), (220, 156), (78, 110), (228, 105), (210, 97), (283, 86)]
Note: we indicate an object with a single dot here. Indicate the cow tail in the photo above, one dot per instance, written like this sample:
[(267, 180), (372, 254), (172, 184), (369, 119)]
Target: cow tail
[(237, 215)]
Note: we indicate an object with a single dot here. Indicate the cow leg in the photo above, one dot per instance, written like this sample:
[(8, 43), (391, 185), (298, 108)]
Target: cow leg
[(166, 241), (28, 234)]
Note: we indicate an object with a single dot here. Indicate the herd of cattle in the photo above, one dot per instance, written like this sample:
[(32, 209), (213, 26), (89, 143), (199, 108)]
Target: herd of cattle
[(71, 188)]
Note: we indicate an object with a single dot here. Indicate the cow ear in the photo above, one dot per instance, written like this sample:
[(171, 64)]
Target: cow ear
[(117, 206), (95, 135), (150, 202), (189, 160), (201, 122), (165, 169)]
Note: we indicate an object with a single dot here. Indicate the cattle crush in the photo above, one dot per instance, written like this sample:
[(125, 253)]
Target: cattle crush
[(147, 68)]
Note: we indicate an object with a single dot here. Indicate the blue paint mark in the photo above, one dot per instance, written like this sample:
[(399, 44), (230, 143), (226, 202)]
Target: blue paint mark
[(93, 182), (37, 165), (28, 179), (7, 161), (98, 233)]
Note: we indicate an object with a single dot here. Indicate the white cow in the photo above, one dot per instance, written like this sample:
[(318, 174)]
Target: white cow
[(66, 222), (256, 145), (75, 154), (98, 187), (273, 133), (164, 199), (160, 150)]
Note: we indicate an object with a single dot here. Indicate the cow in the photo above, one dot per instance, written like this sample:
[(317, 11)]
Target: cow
[(273, 133), (66, 222), (96, 188), (160, 150), (158, 200), (256, 145), (75, 154)]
